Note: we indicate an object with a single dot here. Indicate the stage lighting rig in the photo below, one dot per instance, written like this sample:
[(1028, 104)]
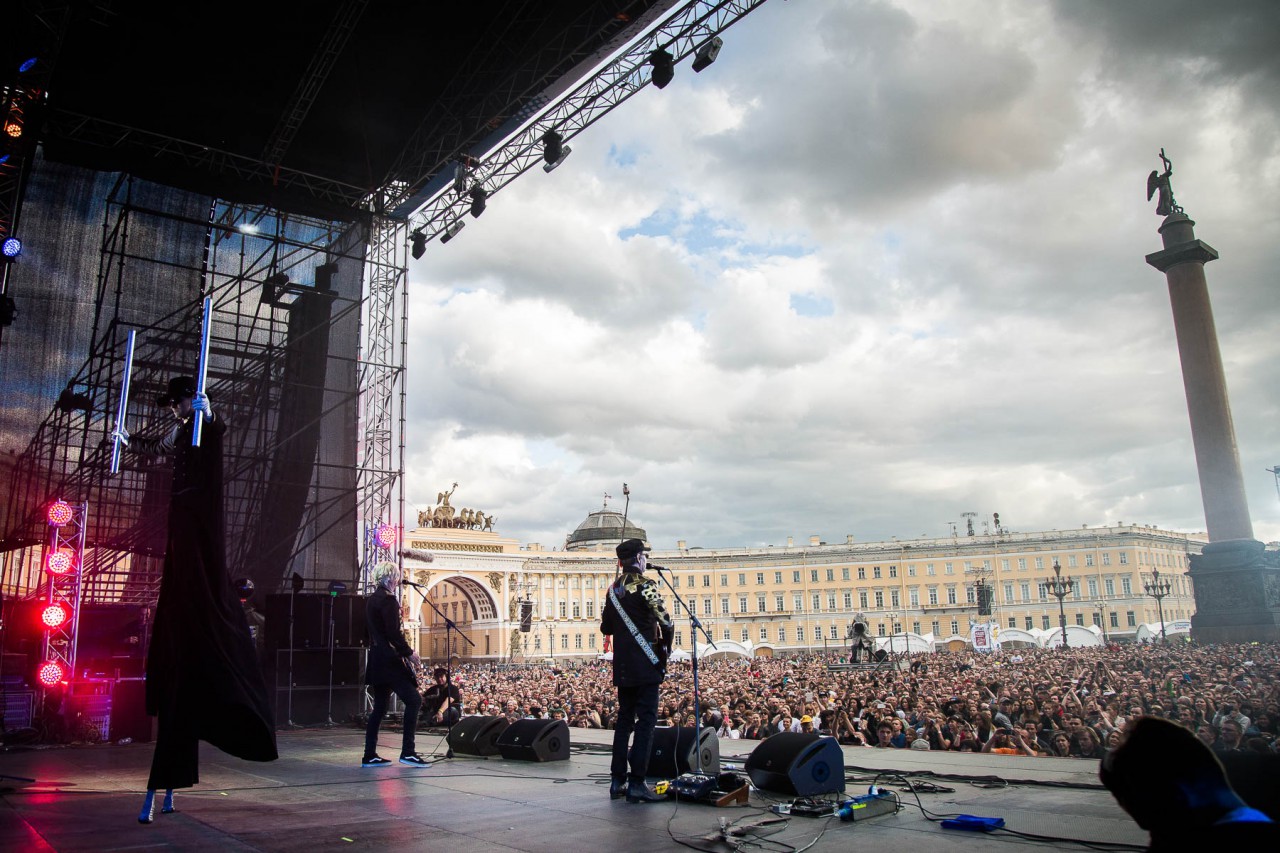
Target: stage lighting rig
[(418, 241), (452, 231), (664, 67), (478, 196), (707, 54)]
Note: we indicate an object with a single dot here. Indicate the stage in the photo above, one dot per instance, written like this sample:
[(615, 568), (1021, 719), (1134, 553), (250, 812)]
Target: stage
[(316, 797)]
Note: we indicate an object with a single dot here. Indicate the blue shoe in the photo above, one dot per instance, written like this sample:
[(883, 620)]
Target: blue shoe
[(375, 761), (617, 789), (414, 760)]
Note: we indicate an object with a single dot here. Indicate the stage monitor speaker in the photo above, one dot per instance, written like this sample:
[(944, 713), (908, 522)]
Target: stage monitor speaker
[(797, 764), (673, 752), (535, 740), (129, 718), (310, 621), (476, 735)]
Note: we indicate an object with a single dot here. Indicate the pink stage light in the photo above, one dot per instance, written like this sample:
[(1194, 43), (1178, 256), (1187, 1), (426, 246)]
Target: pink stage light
[(54, 616), (384, 535), (51, 672), (61, 561), (59, 513)]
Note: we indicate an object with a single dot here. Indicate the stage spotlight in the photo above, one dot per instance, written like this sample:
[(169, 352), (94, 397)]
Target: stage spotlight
[(69, 401), (51, 673), (664, 67), (27, 66), (61, 561), (13, 128), (552, 147), (11, 247), (59, 513), (707, 53), (54, 616), (419, 242), (452, 231), (384, 535), (337, 588), (243, 588), (478, 196)]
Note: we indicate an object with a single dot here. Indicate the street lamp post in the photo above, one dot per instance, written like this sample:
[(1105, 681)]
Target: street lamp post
[(891, 616), (1060, 589), (1158, 589), (551, 634), (1101, 618)]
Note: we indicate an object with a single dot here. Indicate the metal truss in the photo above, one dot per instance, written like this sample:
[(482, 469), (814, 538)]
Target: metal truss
[(380, 474), (63, 559), (680, 34)]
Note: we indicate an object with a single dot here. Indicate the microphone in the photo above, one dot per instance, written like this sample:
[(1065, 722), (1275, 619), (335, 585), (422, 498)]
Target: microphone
[(658, 568), (408, 583)]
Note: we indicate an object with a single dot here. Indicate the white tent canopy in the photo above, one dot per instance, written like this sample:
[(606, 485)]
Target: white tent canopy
[(905, 642), (1078, 636), (1150, 631)]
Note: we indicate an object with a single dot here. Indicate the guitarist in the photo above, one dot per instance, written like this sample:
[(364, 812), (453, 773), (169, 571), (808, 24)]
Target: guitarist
[(642, 633), (391, 667)]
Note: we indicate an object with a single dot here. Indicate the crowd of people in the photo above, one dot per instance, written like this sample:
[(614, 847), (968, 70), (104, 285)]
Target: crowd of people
[(1041, 702)]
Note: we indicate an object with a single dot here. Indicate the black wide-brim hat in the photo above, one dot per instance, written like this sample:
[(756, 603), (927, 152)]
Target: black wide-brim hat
[(180, 388), (628, 549)]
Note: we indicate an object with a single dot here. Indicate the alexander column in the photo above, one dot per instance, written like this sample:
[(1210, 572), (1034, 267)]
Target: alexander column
[(1237, 584)]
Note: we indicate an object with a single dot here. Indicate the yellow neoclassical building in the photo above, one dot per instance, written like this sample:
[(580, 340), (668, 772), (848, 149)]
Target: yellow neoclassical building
[(788, 599)]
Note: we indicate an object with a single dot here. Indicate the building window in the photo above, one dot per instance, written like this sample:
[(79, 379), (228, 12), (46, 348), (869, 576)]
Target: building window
[(724, 605), (862, 573), (782, 634), (563, 608), (577, 641), (928, 568), (1022, 564), (795, 576), (831, 601), (862, 599), (760, 604), (706, 607), (678, 639), (848, 601), (1106, 558), (1080, 619), (955, 627), (675, 581), (969, 594), (764, 633), (880, 629), (1039, 562), (831, 574), (1044, 622), (1115, 619), (1109, 584), (591, 608), (933, 596), (1029, 623), (1008, 593), (564, 641), (844, 573), (1126, 586), (746, 634), (813, 576), (742, 578), (777, 602), (817, 602), (537, 642), (1131, 619), (1004, 565), (724, 580), (759, 578), (915, 599), (706, 580), (1013, 621), (591, 640), (777, 577), (875, 572), (577, 610), (797, 603), (879, 598), (893, 571), (799, 633), (742, 604), (911, 571), (893, 598), (835, 632), (951, 595), (1124, 558), (726, 633), (1088, 559)]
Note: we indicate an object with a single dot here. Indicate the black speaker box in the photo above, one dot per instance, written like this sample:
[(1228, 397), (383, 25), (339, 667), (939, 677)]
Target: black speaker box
[(797, 764), (673, 753), (535, 740), (476, 735), (311, 667), (310, 621), (129, 717), (310, 705)]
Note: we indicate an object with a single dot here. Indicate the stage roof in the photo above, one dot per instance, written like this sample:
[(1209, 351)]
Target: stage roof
[(134, 82)]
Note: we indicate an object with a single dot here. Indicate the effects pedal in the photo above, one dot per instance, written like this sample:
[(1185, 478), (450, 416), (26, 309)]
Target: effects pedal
[(867, 806), (693, 786)]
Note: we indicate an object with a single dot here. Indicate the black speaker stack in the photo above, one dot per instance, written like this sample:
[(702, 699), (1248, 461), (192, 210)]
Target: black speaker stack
[(319, 676), (797, 764)]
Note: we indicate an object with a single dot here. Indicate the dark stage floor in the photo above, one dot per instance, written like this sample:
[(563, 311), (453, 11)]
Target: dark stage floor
[(317, 798)]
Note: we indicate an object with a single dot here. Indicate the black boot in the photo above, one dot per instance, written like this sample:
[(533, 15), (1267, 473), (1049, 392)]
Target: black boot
[(639, 792), (617, 789)]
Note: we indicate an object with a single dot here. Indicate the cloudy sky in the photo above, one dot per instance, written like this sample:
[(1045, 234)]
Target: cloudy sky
[(880, 265)]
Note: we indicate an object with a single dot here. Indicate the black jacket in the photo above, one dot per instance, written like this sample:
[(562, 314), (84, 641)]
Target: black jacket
[(642, 601), (388, 650)]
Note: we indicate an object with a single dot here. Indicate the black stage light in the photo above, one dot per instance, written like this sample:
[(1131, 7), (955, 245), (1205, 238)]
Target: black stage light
[(419, 241), (478, 196), (337, 588), (243, 588), (552, 147), (452, 231), (664, 68), (707, 53)]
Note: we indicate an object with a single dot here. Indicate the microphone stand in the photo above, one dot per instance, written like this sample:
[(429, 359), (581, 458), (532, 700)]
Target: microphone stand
[(694, 627), (449, 627)]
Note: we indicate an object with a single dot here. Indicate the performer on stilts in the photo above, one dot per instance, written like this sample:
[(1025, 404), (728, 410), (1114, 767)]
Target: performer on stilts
[(204, 681)]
